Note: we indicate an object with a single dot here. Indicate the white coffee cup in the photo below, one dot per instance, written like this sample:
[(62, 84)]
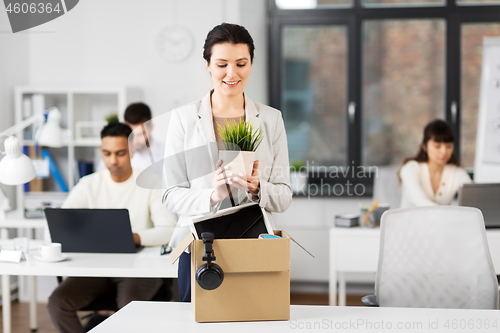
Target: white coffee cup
[(50, 251)]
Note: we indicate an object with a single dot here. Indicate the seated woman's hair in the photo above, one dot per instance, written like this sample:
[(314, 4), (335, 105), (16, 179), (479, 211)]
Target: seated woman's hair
[(439, 131)]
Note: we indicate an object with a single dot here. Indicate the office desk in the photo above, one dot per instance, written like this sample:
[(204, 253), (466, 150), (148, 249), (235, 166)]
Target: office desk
[(16, 220), (357, 250), (147, 263), (161, 317)]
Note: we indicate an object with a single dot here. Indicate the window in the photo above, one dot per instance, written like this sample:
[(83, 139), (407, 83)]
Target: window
[(308, 4), (403, 3), (313, 95), (403, 85), (478, 2), (375, 72)]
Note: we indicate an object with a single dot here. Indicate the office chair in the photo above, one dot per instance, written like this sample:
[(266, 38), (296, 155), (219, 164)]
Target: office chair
[(386, 186), (434, 257)]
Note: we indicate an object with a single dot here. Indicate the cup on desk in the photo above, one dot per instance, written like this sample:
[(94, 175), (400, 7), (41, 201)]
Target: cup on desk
[(377, 213), (50, 250)]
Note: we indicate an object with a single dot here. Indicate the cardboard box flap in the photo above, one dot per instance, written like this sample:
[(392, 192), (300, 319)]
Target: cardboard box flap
[(179, 249), (249, 255), (282, 233)]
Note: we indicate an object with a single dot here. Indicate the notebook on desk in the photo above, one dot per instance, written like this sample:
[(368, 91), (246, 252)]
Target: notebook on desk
[(91, 230), (485, 197)]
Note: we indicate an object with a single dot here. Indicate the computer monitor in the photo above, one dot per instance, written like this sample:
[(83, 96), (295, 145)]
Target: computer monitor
[(485, 197)]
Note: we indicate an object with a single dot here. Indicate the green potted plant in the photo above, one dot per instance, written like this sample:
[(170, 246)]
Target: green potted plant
[(238, 146), (298, 176), (111, 118)]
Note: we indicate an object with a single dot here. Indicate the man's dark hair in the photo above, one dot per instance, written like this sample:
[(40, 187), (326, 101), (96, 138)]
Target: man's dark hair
[(116, 129), (137, 113)]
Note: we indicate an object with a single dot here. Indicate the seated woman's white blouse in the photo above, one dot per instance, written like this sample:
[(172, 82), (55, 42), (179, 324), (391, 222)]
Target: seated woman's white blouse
[(417, 187)]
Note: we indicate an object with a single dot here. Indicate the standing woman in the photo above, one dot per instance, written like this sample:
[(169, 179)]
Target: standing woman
[(195, 181), (434, 176)]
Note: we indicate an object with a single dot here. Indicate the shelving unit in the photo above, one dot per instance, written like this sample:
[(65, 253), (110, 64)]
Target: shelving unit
[(78, 105)]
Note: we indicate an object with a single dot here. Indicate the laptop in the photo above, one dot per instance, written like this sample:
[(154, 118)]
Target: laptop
[(485, 197), (91, 230), (243, 221)]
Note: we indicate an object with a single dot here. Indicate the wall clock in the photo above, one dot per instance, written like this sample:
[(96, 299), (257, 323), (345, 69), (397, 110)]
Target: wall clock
[(174, 43)]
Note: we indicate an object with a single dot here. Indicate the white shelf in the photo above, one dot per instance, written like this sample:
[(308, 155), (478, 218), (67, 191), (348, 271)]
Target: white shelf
[(87, 143), (32, 143), (118, 90), (77, 103), (78, 143), (16, 219)]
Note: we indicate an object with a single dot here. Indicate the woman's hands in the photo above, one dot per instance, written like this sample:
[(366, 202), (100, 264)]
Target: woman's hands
[(221, 190), (250, 183), (224, 177)]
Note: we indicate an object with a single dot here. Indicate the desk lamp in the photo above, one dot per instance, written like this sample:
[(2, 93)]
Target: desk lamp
[(17, 168)]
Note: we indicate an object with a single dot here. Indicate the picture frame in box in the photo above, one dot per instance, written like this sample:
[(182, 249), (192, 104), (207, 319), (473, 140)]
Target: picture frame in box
[(244, 221)]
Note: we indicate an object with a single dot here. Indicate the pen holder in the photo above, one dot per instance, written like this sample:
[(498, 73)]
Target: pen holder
[(366, 221)]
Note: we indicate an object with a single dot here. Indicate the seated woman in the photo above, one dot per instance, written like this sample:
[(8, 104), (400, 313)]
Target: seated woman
[(434, 175)]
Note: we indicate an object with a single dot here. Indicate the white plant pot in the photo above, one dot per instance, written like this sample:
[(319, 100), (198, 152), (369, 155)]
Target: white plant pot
[(238, 161), (298, 180)]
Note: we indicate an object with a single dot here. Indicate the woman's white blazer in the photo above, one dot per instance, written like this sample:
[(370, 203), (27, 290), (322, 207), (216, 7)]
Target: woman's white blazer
[(191, 156)]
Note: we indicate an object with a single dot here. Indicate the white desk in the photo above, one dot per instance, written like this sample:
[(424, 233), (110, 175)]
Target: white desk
[(161, 317), (146, 263), (357, 250), (15, 220)]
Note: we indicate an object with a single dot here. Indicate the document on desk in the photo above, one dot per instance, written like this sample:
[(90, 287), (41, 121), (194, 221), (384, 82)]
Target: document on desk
[(150, 252)]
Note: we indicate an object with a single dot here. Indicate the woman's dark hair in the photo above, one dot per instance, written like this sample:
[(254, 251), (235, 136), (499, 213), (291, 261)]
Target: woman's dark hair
[(227, 33), (116, 129), (439, 131)]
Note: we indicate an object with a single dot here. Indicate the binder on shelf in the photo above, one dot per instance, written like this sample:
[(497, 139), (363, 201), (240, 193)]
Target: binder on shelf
[(26, 110), (54, 170), (36, 185), (85, 168), (26, 185)]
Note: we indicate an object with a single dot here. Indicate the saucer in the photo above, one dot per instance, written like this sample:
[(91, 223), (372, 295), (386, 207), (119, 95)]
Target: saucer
[(63, 256)]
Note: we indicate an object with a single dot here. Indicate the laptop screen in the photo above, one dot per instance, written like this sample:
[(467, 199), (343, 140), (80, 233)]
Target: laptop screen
[(485, 197), (91, 230)]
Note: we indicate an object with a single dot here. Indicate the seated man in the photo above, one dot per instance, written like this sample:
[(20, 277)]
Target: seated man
[(151, 223)]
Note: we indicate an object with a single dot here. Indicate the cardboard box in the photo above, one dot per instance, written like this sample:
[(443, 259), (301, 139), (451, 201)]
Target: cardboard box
[(256, 282)]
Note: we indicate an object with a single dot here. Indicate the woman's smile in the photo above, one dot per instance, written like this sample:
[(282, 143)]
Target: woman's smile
[(231, 83), (230, 67)]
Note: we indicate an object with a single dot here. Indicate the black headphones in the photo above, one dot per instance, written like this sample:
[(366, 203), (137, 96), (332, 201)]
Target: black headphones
[(209, 276)]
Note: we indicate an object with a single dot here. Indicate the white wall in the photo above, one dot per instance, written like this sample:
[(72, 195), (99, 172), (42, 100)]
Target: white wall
[(253, 17), (113, 42), (14, 70)]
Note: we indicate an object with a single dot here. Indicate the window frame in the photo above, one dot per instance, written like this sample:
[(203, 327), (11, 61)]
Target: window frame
[(353, 17)]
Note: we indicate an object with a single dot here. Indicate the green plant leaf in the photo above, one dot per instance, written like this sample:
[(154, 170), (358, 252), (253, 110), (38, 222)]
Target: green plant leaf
[(240, 134)]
